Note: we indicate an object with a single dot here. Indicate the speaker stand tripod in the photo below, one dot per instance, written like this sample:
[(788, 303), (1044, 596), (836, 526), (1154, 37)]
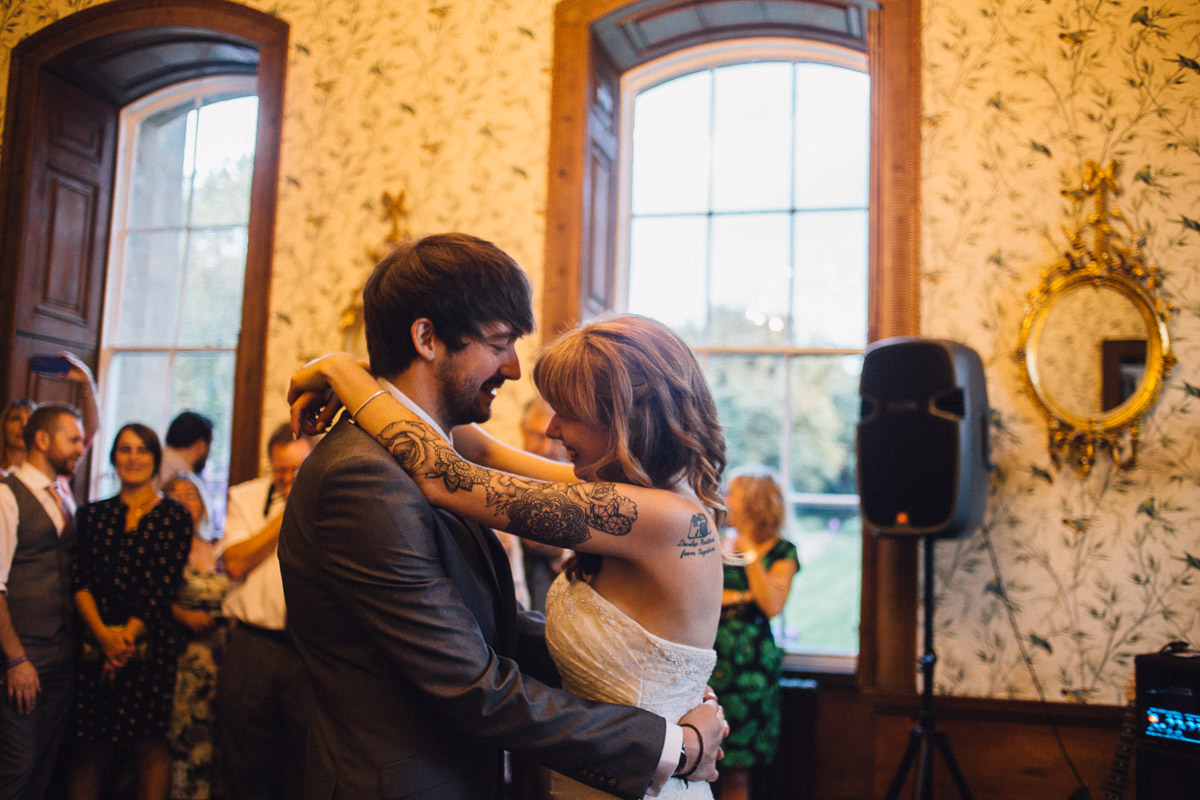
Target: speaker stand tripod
[(925, 738)]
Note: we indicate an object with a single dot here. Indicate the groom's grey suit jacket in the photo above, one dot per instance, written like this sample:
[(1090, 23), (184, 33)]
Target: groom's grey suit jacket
[(405, 619)]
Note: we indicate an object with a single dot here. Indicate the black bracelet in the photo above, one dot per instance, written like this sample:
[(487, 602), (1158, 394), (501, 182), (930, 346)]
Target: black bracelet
[(700, 756)]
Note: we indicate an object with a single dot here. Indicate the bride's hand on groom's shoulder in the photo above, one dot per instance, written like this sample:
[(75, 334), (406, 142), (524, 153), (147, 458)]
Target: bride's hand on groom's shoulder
[(708, 718), (313, 402)]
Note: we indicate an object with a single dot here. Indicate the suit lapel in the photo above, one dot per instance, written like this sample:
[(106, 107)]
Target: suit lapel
[(502, 582), (482, 553)]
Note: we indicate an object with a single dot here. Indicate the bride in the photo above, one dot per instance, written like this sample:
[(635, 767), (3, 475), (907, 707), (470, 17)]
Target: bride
[(633, 619)]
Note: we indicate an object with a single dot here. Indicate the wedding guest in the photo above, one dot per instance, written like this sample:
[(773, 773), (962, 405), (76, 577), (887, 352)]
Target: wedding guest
[(758, 579), (543, 562), (16, 414), (191, 735), (36, 618), (129, 563), (263, 694), (12, 442), (189, 440)]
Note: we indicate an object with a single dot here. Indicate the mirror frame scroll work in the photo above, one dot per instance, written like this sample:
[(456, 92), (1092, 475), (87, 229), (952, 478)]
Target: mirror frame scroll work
[(1119, 264)]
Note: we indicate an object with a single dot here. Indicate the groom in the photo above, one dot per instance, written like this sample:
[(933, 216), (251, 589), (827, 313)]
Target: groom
[(423, 668)]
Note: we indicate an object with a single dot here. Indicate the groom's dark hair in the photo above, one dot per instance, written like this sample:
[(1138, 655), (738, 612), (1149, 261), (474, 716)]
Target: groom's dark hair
[(459, 282)]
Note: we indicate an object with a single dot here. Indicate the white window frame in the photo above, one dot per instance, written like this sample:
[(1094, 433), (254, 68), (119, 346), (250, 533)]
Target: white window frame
[(129, 121), (676, 65)]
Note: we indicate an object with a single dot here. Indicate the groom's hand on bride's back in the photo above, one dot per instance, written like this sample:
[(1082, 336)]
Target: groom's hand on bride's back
[(708, 719)]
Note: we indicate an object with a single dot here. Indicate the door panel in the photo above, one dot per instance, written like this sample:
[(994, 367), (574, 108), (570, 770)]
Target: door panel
[(66, 219)]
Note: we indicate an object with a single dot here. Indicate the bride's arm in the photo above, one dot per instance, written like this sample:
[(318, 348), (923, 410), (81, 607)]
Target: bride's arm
[(636, 522), (477, 445)]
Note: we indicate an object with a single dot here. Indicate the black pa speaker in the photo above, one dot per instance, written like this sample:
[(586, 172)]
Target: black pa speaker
[(922, 438)]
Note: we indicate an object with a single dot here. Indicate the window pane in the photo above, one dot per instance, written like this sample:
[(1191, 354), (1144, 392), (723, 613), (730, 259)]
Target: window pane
[(224, 162), (830, 291), (751, 276), (824, 411), (136, 390), (666, 272), (822, 611), (204, 382), (833, 127), (782, 238), (148, 311), (212, 312), (752, 137), (671, 146), (161, 172), (747, 390)]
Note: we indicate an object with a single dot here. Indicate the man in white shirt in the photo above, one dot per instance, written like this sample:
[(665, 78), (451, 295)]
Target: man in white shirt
[(262, 692), (36, 611)]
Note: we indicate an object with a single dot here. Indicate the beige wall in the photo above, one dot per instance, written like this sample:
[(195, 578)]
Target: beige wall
[(1018, 94), (449, 103)]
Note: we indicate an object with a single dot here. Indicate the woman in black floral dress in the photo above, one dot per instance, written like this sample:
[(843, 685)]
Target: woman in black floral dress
[(129, 559), (758, 578)]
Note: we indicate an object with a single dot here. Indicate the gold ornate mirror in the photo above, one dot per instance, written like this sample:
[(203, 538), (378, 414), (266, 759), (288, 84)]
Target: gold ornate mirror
[(1094, 349)]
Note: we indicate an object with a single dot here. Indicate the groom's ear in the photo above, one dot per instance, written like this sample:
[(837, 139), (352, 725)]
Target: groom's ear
[(423, 338)]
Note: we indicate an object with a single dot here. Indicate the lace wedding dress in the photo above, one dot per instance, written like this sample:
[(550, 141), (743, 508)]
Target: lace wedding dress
[(604, 655)]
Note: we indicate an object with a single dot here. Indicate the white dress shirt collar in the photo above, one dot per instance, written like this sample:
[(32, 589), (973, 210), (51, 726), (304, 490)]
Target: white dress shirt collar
[(34, 478), (391, 389)]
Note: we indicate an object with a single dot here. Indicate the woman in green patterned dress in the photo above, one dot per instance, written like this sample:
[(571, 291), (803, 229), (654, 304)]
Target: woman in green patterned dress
[(197, 609), (758, 577)]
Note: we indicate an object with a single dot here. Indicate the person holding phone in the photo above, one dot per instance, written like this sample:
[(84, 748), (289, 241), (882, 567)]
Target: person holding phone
[(64, 366), (12, 442)]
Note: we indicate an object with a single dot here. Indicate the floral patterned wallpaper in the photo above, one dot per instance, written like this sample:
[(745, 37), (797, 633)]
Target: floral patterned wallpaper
[(449, 101), (1018, 95)]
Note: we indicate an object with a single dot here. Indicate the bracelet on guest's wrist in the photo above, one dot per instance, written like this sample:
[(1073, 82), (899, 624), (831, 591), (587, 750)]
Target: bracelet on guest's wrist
[(16, 662)]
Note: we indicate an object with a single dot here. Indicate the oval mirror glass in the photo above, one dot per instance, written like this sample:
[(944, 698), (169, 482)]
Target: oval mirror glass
[(1091, 337)]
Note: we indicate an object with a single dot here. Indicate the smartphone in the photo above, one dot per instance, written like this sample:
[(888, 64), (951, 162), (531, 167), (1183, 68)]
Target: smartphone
[(50, 365)]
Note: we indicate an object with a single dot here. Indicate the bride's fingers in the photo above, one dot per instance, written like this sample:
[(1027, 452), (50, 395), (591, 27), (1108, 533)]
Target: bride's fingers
[(309, 378), (312, 412), (325, 419)]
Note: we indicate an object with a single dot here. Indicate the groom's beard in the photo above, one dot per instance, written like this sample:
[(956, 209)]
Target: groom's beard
[(463, 398)]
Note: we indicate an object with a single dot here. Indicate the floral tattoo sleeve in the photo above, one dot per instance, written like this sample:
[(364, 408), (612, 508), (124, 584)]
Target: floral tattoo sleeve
[(560, 514)]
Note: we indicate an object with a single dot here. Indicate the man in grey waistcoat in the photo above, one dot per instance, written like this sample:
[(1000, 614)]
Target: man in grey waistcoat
[(36, 612)]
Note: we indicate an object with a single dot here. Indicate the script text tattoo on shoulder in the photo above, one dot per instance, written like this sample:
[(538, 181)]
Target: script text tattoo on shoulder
[(699, 540)]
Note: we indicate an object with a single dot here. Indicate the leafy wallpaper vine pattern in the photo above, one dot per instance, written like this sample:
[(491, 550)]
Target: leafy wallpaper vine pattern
[(449, 102), (1077, 574)]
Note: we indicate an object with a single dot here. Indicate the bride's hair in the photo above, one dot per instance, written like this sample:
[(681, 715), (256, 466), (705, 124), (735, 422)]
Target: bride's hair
[(633, 377)]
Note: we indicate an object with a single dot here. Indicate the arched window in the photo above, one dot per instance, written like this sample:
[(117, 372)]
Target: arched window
[(68, 84), (743, 225), (598, 45), (177, 261)]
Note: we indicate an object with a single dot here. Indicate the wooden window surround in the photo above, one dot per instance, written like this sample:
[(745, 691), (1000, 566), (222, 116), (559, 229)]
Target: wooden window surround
[(67, 84), (594, 42)]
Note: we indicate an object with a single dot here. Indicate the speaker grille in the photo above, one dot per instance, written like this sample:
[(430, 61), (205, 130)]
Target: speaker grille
[(952, 403)]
